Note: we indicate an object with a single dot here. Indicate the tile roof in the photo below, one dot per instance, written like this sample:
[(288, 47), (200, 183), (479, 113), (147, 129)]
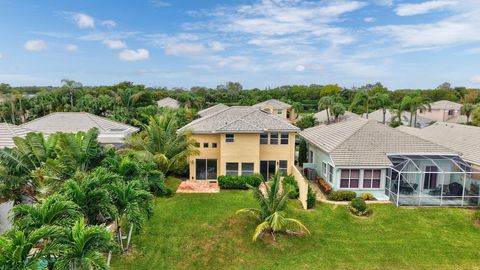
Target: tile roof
[(461, 138), (169, 103), (445, 105), (8, 132), (321, 116), (241, 119), (389, 116), (212, 110), (362, 142), (274, 103)]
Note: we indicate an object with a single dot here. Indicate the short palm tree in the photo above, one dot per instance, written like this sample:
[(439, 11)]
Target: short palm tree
[(362, 98), (271, 215), (337, 110), (56, 210), (383, 101), (467, 110), (81, 247), (24, 250), (325, 103)]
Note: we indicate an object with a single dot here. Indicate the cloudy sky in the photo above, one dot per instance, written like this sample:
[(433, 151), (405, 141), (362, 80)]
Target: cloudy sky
[(401, 43)]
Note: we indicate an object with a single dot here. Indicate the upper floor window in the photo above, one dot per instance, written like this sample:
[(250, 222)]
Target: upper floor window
[(284, 138), (230, 137), (279, 111), (451, 112), (273, 138), (264, 138), (349, 178), (371, 178), (288, 114), (205, 145), (214, 145)]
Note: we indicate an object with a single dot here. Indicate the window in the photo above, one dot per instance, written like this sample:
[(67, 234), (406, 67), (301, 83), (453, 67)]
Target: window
[(288, 114), (324, 169), (279, 111), (206, 169), (283, 167), (232, 168), (310, 157), (330, 173), (273, 138), (284, 138), (450, 112), (214, 145), (264, 138), (349, 178), (229, 137), (205, 145), (247, 168), (371, 178)]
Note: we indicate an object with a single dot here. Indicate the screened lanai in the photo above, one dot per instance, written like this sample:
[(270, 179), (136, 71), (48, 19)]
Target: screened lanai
[(432, 180)]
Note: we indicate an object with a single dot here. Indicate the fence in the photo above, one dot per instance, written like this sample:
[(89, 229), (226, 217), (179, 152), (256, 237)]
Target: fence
[(302, 186)]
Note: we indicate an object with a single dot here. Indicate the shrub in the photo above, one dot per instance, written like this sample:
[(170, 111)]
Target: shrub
[(311, 198), (476, 216), (342, 195), (324, 186), (239, 181), (289, 183), (367, 196), (302, 153), (358, 207)]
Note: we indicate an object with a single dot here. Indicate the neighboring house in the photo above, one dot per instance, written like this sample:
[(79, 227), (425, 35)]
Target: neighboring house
[(8, 132), (212, 110), (366, 156), (111, 132), (442, 110), (461, 138), (240, 141), (391, 116), (279, 108), (168, 102), (321, 117)]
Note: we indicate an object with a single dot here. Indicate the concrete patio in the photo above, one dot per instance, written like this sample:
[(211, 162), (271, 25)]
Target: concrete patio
[(198, 187)]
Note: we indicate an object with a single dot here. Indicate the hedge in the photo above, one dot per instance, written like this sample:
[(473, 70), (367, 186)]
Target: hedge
[(289, 183), (239, 181), (342, 195)]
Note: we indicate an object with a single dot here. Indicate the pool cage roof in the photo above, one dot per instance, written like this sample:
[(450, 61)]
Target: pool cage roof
[(401, 163)]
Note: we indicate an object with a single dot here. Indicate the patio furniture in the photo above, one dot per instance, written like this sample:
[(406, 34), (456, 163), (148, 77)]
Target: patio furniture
[(455, 189)]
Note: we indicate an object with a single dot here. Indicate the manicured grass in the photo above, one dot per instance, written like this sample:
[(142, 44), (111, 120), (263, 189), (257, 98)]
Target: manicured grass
[(201, 231), (173, 182)]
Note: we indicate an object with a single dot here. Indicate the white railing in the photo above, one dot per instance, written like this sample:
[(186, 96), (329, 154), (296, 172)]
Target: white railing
[(302, 186)]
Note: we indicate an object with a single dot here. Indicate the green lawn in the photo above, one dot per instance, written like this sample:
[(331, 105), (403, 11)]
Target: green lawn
[(201, 231)]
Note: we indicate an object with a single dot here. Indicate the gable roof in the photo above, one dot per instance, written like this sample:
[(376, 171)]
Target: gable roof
[(321, 116), (273, 103), (169, 103), (461, 138), (445, 105), (389, 116), (8, 132), (362, 142), (72, 122), (212, 110), (239, 119)]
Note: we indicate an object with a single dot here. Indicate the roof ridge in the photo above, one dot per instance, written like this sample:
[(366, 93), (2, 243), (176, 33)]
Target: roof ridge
[(208, 109), (366, 121), (425, 140), (204, 118), (240, 118), (94, 120)]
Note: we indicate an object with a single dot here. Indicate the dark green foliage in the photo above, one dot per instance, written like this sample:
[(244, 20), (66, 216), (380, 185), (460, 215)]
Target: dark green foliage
[(358, 204), (306, 121), (476, 216), (342, 195), (311, 198), (291, 185), (302, 152), (239, 182)]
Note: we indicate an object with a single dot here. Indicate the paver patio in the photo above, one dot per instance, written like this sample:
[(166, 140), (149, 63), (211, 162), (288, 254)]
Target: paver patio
[(198, 187)]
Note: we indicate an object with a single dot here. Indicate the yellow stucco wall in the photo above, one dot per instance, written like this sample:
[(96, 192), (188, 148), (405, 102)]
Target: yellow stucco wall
[(245, 148)]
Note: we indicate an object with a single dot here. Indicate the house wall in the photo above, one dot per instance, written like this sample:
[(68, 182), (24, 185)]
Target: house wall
[(273, 111), (245, 148), (438, 115)]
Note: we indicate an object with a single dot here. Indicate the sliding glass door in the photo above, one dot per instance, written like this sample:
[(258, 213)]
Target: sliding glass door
[(206, 169), (267, 168)]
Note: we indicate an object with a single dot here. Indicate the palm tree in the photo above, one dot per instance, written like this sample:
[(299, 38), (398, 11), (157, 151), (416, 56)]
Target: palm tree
[(407, 105), (71, 85), (271, 215), (337, 110), (81, 247), (24, 250), (363, 98), (56, 210), (160, 143), (128, 97), (467, 109), (384, 102), (325, 103), (133, 206)]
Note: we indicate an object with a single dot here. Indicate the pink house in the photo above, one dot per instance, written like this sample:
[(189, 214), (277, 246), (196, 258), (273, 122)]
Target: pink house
[(443, 110)]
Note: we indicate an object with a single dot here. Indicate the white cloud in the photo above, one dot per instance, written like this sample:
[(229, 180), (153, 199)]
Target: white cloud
[(134, 55), (160, 4), (109, 23), (475, 79), (114, 43), (422, 8), (185, 44), (383, 2), (35, 45), (1, 55), (71, 47), (216, 46), (369, 19), (83, 20), (300, 68), (185, 49)]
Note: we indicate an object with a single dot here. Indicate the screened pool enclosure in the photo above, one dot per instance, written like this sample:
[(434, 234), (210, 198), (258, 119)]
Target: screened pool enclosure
[(432, 180)]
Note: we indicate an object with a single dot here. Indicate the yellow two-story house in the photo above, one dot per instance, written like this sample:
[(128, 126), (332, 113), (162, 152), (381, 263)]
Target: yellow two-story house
[(241, 141), (279, 108)]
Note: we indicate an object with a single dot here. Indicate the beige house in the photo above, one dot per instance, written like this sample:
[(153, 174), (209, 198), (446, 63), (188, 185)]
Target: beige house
[(443, 110), (240, 141), (8, 132), (168, 102), (111, 132), (279, 108)]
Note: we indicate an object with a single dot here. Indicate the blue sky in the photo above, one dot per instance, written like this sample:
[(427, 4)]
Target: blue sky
[(401, 43)]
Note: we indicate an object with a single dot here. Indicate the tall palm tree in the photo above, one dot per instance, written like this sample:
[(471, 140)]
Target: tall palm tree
[(418, 103), (26, 250), (56, 210), (160, 143), (383, 101), (271, 215), (325, 103), (337, 110), (467, 109), (81, 247), (133, 206), (71, 85), (362, 97), (128, 97)]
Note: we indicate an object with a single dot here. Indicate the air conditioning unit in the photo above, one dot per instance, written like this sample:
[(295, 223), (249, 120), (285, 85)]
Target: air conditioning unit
[(311, 174)]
